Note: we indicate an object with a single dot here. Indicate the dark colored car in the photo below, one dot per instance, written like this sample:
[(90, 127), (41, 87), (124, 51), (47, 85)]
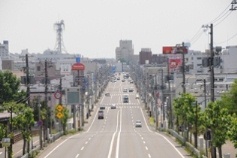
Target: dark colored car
[(100, 114)]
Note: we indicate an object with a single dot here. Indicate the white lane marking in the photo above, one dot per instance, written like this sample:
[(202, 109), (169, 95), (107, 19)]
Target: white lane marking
[(92, 121), (149, 155), (89, 138), (146, 148), (161, 135), (112, 141), (82, 148), (171, 144), (0, 153), (144, 142), (77, 156), (145, 120), (142, 138), (86, 142), (118, 138), (60, 145)]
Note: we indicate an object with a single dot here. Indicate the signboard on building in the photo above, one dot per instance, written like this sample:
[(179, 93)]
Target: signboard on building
[(174, 50), (174, 64)]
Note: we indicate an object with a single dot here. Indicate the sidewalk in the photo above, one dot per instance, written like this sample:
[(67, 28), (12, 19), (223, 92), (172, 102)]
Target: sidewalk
[(17, 148)]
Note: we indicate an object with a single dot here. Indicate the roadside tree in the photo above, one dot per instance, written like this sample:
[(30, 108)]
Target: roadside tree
[(217, 119)]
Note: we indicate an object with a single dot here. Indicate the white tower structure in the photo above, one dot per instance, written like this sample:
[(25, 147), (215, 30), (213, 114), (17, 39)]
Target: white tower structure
[(59, 27)]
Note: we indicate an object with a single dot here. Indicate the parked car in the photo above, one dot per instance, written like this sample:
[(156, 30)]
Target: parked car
[(125, 90)]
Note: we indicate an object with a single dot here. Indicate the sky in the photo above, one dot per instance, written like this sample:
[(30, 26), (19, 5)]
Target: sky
[(94, 28)]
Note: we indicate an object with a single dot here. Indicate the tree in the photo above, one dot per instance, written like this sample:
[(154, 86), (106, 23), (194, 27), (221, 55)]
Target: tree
[(64, 119), (230, 99), (23, 120), (10, 88), (218, 120), (233, 130)]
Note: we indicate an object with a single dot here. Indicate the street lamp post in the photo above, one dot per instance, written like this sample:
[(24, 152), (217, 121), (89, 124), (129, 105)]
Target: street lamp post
[(40, 127)]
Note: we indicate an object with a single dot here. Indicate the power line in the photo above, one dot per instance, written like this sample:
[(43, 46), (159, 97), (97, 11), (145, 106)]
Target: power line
[(235, 35), (196, 34), (220, 15), (223, 19)]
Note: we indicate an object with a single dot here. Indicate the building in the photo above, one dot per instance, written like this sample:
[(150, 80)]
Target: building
[(125, 51), (145, 56), (4, 50)]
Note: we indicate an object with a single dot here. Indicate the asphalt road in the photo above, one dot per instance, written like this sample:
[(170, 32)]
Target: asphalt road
[(116, 136)]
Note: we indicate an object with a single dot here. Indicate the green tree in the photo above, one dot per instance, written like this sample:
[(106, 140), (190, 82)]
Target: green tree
[(10, 88), (230, 99), (233, 130), (218, 120), (64, 119), (22, 120)]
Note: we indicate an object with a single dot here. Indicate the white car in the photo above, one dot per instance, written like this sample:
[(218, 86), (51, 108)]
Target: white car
[(138, 123), (113, 106), (137, 96)]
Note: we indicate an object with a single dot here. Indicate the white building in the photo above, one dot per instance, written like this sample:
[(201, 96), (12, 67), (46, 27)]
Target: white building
[(125, 51)]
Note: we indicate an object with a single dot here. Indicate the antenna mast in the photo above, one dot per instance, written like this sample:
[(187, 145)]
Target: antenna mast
[(59, 27)]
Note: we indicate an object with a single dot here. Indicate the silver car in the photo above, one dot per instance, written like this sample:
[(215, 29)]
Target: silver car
[(138, 123)]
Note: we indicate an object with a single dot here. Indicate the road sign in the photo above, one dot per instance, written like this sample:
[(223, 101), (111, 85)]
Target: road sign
[(6, 142), (57, 95), (59, 108), (59, 115), (40, 123), (72, 95), (78, 66)]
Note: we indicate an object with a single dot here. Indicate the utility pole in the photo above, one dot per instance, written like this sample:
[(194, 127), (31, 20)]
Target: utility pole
[(212, 78), (169, 91), (28, 97), (46, 100), (183, 65), (156, 97)]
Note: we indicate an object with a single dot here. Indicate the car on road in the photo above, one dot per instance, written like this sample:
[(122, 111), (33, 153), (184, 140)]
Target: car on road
[(137, 96), (130, 90), (100, 114), (102, 108), (125, 90), (107, 94), (138, 123), (113, 106)]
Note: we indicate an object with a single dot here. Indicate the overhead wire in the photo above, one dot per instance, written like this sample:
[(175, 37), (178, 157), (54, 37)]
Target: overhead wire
[(235, 35), (221, 14), (223, 19)]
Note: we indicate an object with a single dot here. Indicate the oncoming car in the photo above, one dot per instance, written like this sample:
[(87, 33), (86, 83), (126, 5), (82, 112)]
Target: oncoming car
[(138, 123)]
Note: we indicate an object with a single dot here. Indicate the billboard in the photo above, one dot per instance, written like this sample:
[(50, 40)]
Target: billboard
[(174, 50), (174, 64)]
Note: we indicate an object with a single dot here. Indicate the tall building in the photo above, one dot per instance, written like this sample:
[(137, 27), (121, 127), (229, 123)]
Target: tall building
[(145, 56), (4, 50), (125, 51)]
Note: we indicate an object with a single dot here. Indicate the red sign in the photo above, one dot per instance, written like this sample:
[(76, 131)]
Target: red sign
[(174, 64), (174, 50), (78, 66)]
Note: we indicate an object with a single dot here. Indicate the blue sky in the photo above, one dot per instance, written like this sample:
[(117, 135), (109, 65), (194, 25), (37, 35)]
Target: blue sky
[(93, 28)]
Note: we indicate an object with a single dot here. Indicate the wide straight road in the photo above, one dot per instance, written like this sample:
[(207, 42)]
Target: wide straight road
[(116, 136)]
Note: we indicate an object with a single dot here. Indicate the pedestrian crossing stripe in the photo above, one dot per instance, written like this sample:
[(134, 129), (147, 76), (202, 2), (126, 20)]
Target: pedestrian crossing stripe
[(118, 104)]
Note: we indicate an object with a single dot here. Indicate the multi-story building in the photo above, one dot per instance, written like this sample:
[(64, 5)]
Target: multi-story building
[(4, 50), (125, 51), (145, 56)]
